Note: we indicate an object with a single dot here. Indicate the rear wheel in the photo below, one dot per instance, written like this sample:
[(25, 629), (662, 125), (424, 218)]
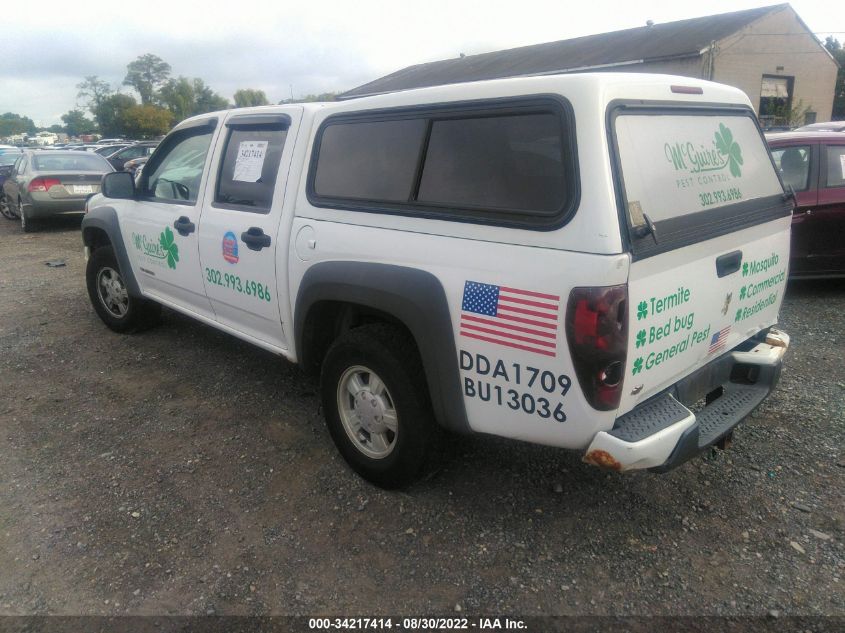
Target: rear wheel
[(5, 208), (110, 297), (376, 404)]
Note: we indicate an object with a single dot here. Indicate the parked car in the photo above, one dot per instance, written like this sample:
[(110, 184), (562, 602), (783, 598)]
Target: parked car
[(813, 164), (135, 165), (7, 163), (136, 150), (452, 256), (830, 126), (47, 183), (107, 150)]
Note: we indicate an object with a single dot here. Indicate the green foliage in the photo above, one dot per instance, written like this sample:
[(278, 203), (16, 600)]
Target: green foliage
[(146, 74), (324, 96), (186, 97), (93, 91), (145, 121), (247, 97), (832, 44), (11, 123), (76, 123), (111, 114)]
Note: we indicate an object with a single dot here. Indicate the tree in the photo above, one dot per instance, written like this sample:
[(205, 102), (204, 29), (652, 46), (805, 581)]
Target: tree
[(93, 91), (206, 99), (146, 74), (143, 121), (11, 123), (246, 97), (832, 44), (76, 123), (323, 96), (186, 97), (111, 114)]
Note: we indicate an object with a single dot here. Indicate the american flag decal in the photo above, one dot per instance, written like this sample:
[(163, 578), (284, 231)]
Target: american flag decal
[(516, 318), (719, 339)]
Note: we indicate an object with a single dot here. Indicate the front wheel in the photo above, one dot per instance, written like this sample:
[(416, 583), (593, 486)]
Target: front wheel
[(110, 297), (376, 404)]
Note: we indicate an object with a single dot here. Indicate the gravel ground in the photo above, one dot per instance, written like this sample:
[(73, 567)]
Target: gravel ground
[(182, 471)]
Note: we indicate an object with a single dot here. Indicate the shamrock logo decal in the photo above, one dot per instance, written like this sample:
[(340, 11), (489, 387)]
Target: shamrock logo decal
[(729, 149), (640, 338), (738, 315), (745, 269), (638, 366), (168, 244), (642, 310), (742, 293)]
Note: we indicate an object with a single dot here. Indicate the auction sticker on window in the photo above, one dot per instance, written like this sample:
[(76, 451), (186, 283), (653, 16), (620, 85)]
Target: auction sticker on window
[(250, 161)]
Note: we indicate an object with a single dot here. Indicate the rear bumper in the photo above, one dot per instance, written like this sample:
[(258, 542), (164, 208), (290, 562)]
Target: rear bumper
[(43, 208), (664, 432)]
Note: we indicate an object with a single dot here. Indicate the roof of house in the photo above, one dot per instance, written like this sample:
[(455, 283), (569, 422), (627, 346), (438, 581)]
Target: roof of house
[(685, 38)]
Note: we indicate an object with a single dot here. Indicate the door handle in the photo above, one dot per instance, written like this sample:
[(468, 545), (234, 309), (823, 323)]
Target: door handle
[(728, 263), (255, 238), (184, 226)]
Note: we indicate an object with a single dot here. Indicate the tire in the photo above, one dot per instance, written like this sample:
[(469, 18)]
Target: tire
[(388, 454), (6, 209), (112, 302)]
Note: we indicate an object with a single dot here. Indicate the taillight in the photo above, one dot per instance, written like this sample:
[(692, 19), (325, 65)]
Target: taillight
[(597, 331), (43, 184)]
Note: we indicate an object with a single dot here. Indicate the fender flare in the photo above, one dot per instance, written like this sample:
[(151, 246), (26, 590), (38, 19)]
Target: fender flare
[(105, 218), (414, 297)]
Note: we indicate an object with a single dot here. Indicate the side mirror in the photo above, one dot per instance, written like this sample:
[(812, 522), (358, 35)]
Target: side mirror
[(118, 185)]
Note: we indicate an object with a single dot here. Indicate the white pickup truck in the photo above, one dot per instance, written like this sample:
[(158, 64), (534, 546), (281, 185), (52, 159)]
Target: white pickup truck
[(593, 261)]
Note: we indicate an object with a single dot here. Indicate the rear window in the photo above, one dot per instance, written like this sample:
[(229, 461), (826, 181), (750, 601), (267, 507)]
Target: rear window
[(70, 162), (835, 166), (250, 164), (675, 165), (512, 164), (793, 163)]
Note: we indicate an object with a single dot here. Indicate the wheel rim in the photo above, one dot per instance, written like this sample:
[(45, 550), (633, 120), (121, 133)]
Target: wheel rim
[(5, 209), (112, 292), (367, 412)]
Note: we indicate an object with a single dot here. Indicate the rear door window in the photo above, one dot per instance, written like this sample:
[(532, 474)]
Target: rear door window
[(835, 166), (793, 163), (250, 165)]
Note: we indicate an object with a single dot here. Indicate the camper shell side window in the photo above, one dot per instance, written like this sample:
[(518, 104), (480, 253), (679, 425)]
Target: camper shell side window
[(508, 162)]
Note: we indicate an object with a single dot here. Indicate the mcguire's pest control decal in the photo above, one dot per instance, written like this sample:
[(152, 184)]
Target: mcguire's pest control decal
[(158, 251), (510, 317), (230, 247)]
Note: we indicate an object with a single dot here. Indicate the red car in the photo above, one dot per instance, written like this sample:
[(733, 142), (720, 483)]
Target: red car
[(813, 163)]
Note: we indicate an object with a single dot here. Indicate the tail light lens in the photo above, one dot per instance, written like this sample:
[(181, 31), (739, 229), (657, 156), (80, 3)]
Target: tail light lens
[(597, 331), (43, 184)]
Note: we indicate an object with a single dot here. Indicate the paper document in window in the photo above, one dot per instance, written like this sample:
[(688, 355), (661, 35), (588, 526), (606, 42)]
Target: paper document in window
[(842, 164), (250, 161)]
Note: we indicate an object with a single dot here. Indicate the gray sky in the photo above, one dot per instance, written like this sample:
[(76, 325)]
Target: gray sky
[(48, 47)]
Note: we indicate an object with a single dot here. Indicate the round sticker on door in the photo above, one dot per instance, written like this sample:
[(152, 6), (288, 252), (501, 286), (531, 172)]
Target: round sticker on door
[(230, 248)]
